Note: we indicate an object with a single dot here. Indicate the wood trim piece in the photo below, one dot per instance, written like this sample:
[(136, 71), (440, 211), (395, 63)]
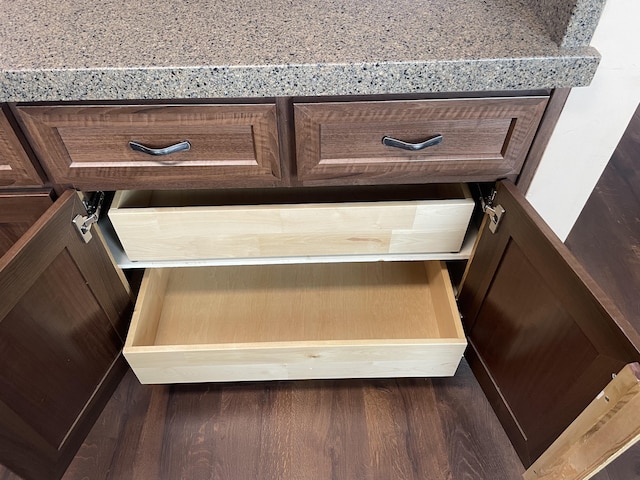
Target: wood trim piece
[(541, 140), (601, 433), (286, 137)]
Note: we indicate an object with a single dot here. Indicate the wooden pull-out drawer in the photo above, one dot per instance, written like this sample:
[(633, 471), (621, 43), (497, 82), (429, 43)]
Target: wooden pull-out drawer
[(482, 140), (88, 147), (173, 225), (380, 319)]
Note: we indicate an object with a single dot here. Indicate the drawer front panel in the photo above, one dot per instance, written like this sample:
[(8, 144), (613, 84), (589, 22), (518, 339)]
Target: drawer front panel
[(16, 169), (482, 139), (89, 147), (385, 319), (250, 231), (18, 211)]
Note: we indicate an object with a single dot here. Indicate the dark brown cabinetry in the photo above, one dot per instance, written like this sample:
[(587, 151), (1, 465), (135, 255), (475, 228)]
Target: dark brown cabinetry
[(243, 145), (543, 338), (88, 147), (518, 343), (480, 139), (16, 168), (18, 211), (62, 323)]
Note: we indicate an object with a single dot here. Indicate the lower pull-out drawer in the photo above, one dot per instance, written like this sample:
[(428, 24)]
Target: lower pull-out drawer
[(344, 320)]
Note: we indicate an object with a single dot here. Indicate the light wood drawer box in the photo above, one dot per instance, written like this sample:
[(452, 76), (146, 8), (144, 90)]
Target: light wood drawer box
[(87, 147), (344, 320), (483, 139), (181, 225)]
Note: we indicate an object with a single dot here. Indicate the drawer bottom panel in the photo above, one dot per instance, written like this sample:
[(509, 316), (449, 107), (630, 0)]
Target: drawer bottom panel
[(273, 322)]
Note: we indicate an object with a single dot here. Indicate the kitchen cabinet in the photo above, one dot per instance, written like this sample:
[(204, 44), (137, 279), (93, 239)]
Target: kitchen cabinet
[(518, 278)]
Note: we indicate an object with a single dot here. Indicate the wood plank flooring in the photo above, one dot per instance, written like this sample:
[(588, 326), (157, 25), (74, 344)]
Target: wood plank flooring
[(606, 237), (346, 429)]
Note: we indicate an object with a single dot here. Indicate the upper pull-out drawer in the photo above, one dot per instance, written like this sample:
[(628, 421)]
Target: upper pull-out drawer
[(191, 225), (159, 146), (425, 140)]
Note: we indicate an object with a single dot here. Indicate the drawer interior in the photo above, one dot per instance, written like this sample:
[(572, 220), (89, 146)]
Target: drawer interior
[(133, 199), (295, 321)]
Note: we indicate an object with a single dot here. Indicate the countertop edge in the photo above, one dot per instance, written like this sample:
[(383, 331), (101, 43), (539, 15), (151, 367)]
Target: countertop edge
[(572, 67)]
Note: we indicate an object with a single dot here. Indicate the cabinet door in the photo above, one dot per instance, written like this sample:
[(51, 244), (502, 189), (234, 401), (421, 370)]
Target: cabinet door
[(96, 147), (543, 338), (16, 169), (62, 321)]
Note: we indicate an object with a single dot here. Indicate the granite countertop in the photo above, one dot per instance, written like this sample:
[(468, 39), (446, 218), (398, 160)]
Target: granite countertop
[(106, 50)]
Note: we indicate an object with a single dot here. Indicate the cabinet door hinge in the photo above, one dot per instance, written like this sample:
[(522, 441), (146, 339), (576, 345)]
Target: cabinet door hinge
[(495, 212), (83, 223)]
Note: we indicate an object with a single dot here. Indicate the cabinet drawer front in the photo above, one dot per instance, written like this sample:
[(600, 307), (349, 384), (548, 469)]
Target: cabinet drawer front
[(18, 211), (88, 147), (482, 140), (283, 230), (16, 169), (385, 319)]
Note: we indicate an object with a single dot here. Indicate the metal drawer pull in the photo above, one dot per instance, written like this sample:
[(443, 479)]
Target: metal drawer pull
[(178, 147), (429, 142)]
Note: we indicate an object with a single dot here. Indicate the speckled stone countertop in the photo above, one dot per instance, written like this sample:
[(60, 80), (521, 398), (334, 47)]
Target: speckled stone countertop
[(107, 50)]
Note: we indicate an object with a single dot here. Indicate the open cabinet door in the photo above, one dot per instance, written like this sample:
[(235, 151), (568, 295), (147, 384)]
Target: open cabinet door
[(63, 310), (543, 338)]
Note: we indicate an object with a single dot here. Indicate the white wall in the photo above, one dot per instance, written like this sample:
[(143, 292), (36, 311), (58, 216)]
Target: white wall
[(592, 122)]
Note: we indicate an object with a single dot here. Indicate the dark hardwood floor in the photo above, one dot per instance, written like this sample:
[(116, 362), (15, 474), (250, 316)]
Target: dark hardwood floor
[(344, 429), (606, 237)]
